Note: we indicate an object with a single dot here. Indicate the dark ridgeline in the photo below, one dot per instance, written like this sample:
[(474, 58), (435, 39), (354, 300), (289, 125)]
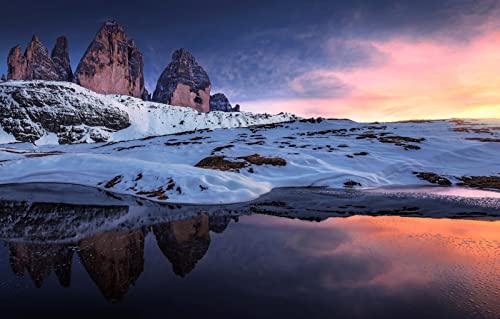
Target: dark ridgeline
[(113, 64)]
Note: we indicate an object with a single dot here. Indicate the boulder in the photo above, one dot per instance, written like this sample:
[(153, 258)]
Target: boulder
[(184, 83), (112, 64)]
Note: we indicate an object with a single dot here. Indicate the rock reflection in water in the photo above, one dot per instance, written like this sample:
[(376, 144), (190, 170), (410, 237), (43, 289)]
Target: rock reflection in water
[(38, 260), (115, 260), (184, 243)]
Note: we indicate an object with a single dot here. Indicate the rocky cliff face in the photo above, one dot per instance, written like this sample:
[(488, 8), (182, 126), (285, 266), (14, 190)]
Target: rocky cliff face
[(219, 102), (112, 64), (184, 83), (60, 57), (36, 64), (30, 110)]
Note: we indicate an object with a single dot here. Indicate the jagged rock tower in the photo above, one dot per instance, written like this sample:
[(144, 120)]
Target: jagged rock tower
[(112, 64), (36, 64)]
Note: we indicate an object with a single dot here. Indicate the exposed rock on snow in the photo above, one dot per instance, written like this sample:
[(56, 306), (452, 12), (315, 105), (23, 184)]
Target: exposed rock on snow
[(112, 64), (219, 102), (32, 110), (222, 163), (36, 64), (184, 83), (483, 182)]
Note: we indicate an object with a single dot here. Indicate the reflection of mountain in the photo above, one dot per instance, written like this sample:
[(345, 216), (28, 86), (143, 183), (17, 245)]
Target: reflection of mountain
[(39, 260), (218, 224), (40, 222), (184, 242), (114, 260)]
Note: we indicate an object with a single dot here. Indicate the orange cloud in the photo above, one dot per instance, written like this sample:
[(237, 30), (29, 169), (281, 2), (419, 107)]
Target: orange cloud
[(419, 79)]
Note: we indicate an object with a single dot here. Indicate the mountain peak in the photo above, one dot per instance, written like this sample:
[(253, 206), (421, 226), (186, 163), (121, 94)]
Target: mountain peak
[(184, 83), (112, 63)]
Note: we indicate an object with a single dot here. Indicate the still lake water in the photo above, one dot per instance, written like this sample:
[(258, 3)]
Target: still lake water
[(250, 264)]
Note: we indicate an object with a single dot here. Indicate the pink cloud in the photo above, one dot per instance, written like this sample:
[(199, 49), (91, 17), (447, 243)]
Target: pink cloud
[(418, 79)]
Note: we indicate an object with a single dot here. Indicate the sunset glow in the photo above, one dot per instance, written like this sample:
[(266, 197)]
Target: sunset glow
[(418, 80)]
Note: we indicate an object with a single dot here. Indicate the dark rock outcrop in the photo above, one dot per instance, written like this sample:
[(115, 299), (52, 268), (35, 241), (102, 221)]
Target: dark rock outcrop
[(184, 83), (60, 57), (112, 64), (34, 64), (3, 78), (219, 102), (34, 109)]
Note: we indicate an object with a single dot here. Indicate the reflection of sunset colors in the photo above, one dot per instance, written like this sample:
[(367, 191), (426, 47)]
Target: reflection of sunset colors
[(421, 252), (417, 79)]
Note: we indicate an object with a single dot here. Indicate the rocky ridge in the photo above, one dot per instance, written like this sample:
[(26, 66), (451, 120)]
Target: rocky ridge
[(50, 112), (36, 64), (113, 64), (36, 109)]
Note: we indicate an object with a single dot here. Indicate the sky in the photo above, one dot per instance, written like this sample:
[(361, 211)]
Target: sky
[(367, 60)]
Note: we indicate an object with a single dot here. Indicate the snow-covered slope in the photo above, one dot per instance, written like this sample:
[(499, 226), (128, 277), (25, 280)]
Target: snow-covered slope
[(46, 112), (154, 119), (335, 153)]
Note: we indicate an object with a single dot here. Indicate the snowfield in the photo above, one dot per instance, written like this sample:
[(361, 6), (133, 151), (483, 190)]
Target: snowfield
[(333, 153)]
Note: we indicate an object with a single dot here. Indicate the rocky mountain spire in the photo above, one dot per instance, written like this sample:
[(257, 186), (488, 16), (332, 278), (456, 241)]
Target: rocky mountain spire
[(60, 57), (184, 83), (112, 63), (16, 64), (35, 63)]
